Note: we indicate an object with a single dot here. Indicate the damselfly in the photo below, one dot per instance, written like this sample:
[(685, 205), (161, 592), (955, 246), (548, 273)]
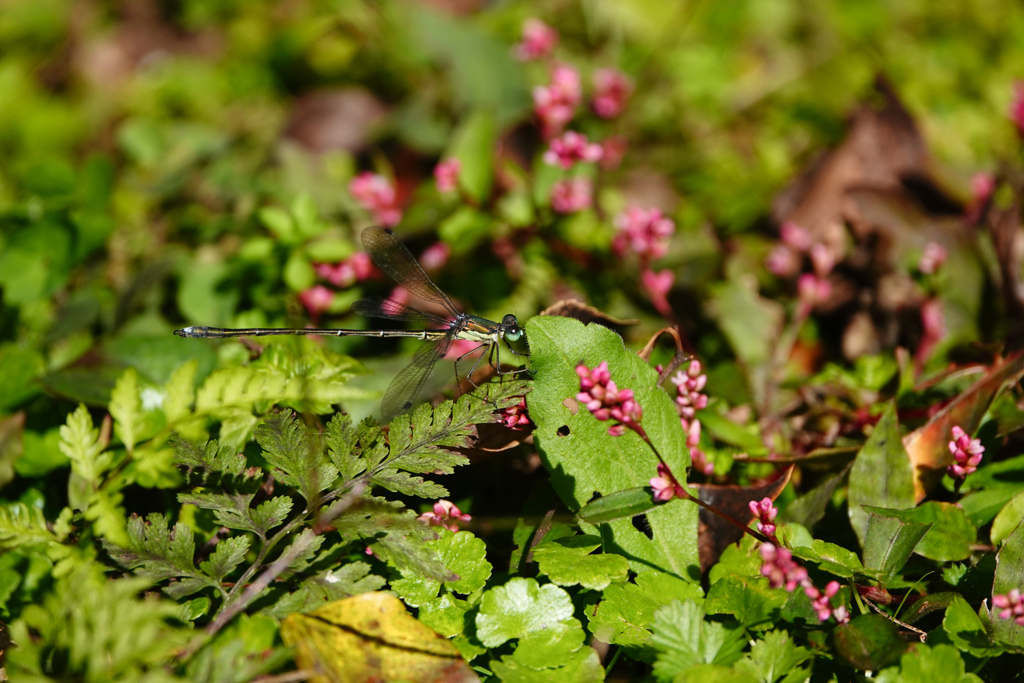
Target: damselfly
[(392, 257)]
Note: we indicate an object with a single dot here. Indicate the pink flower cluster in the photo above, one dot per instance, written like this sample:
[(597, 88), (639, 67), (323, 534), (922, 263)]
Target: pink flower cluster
[(611, 92), (446, 175), (698, 460), (967, 454), (664, 486), (539, 41), (658, 284), (316, 299), (570, 195), (376, 194), (689, 385), (555, 104), (782, 571), (603, 398), (446, 514), (347, 273), (571, 148), (766, 512), (1011, 606), (645, 232), (516, 417), (784, 261)]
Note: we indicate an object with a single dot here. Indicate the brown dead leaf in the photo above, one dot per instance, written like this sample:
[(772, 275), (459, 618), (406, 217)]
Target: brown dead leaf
[(574, 308), (714, 534), (927, 445)]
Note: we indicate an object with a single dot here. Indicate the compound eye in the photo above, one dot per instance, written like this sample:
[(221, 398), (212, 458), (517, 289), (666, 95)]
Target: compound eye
[(510, 321)]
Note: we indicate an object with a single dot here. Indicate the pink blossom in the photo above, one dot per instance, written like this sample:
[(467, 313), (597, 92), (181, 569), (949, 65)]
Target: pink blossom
[(611, 91), (446, 514), (689, 385), (435, 256), (932, 258), (461, 347), (539, 41), (346, 273), (316, 299), (822, 259), (781, 569), (698, 460), (1011, 606), (376, 194), (782, 261), (570, 195), (645, 232), (967, 454), (795, 237), (603, 398), (664, 487), (811, 291), (555, 104), (822, 601), (765, 512), (516, 417), (446, 174), (1017, 107), (658, 286), (571, 148)]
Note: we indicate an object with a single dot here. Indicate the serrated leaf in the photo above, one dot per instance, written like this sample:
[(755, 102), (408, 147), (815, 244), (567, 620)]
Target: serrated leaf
[(773, 657), (571, 566), (520, 607), (126, 409), (936, 664), (585, 461), (79, 441), (352, 578), (966, 630), (881, 475), (297, 458), (749, 599), (463, 554), (158, 553), (270, 513), (229, 553), (208, 456), (683, 638)]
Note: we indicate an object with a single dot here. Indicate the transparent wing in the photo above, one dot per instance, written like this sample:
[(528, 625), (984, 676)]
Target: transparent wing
[(405, 387), (394, 258), (389, 309)]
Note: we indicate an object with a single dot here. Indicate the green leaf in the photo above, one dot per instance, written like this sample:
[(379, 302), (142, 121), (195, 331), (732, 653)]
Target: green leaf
[(809, 508), (158, 553), (549, 647), (229, 553), (19, 368), (683, 638), (881, 475), (520, 607), (869, 642), (463, 554), (951, 534), (576, 566), (890, 540), (279, 222), (351, 578), (180, 392), (936, 664), (624, 504), (298, 460), (750, 600), (79, 441), (626, 610), (1008, 576), (585, 461), (773, 657), (966, 630), (126, 409), (1008, 519)]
